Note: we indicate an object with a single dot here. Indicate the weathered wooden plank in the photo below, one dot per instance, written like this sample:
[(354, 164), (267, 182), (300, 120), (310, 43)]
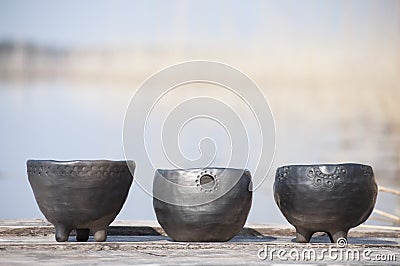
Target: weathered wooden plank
[(139, 242)]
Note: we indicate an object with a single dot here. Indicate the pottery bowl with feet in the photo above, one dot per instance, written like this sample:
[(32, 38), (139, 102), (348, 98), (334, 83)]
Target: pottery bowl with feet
[(85, 195), (331, 198), (202, 205)]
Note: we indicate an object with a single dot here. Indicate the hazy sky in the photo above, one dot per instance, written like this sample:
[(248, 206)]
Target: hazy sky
[(89, 22)]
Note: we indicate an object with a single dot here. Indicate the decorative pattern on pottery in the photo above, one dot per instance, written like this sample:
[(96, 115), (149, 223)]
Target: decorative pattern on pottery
[(213, 180), (68, 170), (282, 173), (326, 180), (367, 170)]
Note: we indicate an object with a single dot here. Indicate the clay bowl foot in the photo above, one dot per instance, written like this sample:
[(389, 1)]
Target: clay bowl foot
[(100, 235), (337, 236), (62, 233), (304, 235), (82, 235)]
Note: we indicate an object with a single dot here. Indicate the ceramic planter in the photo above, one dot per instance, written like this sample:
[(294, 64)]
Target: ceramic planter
[(329, 198), (208, 204), (81, 195)]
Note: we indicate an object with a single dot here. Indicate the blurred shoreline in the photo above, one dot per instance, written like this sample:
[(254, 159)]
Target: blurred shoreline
[(305, 67)]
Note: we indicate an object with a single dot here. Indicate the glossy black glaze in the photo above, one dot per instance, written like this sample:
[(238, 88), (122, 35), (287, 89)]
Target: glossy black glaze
[(81, 195), (219, 218), (329, 198)]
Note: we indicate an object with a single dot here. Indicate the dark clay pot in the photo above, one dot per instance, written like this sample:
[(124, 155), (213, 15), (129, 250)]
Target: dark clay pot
[(81, 195), (208, 204), (329, 198)]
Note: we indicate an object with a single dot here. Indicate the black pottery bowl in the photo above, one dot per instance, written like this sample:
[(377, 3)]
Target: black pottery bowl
[(202, 205), (83, 195), (329, 198)]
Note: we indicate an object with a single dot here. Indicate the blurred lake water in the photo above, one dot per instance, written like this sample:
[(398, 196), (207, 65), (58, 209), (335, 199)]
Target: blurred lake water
[(64, 120)]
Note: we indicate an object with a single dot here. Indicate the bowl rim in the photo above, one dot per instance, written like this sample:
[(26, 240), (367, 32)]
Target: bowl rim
[(82, 162), (163, 172), (197, 169), (324, 164)]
